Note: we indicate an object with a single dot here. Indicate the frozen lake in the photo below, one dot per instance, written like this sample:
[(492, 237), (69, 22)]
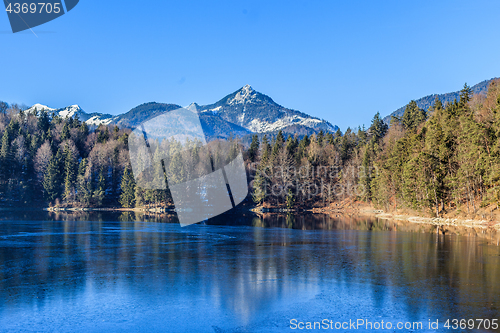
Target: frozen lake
[(107, 272)]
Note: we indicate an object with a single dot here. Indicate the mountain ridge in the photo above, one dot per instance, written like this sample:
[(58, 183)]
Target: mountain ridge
[(72, 110), (264, 115), (243, 112), (426, 101)]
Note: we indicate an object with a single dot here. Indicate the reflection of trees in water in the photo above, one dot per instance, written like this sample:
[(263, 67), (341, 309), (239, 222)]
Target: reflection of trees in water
[(245, 268), (321, 222)]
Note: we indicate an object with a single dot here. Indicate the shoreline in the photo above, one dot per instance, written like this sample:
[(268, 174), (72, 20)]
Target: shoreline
[(439, 225), (339, 208), (108, 209)]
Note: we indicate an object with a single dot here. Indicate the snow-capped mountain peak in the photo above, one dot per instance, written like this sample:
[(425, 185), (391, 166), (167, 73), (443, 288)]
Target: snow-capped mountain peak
[(94, 119), (241, 112), (243, 95), (39, 107), (258, 113)]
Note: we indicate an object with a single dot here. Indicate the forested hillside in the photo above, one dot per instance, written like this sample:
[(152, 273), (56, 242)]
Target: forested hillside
[(48, 160), (449, 161), (427, 101)]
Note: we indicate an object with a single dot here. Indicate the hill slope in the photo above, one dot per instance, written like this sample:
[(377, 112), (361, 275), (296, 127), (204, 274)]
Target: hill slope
[(425, 102)]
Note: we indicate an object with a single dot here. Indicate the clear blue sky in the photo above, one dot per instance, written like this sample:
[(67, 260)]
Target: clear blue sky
[(339, 60)]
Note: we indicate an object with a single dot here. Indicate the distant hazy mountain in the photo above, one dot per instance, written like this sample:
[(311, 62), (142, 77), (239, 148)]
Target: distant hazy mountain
[(143, 112), (425, 102), (213, 125), (241, 113)]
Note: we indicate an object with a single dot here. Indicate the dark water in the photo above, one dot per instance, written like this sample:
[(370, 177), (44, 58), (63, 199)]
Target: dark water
[(111, 272)]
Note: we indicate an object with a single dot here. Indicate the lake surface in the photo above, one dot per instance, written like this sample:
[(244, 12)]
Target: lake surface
[(112, 272)]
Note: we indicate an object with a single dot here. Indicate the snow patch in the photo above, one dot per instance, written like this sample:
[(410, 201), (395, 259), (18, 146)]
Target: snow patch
[(260, 126), (70, 111), (40, 107), (96, 121), (215, 110), (241, 117)]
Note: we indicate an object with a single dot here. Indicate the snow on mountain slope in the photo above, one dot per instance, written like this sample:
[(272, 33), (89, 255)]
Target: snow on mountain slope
[(259, 113), (39, 107), (97, 120), (243, 95), (94, 119), (259, 126), (70, 111), (240, 113)]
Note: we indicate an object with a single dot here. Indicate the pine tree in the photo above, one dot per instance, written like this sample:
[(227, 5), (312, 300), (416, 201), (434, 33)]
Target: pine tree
[(278, 143), (69, 171), (115, 170), (100, 191), (84, 129), (259, 187), (266, 149), (84, 186), (413, 116), (291, 145), (5, 156), (330, 138), (254, 148), (345, 146), (65, 134), (127, 197), (378, 128), (362, 135), (102, 135), (465, 95), (320, 138), (176, 171), (302, 148), (366, 175), (52, 180), (43, 123)]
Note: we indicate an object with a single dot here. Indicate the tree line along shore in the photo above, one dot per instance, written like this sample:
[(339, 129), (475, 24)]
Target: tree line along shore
[(443, 162)]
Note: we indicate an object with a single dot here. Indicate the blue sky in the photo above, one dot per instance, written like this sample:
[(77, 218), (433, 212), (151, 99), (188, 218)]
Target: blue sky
[(338, 60)]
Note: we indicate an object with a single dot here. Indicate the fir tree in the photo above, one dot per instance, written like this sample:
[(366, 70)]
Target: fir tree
[(259, 187), (465, 95), (254, 148), (266, 149), (52, 179), (84, 186), (6, 157), (84, 129), (321, 137), (378, 127), (65, 134), (278, 143), (43, 122), (127, 197), (413, 116), (69, 171), (100, 190)]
